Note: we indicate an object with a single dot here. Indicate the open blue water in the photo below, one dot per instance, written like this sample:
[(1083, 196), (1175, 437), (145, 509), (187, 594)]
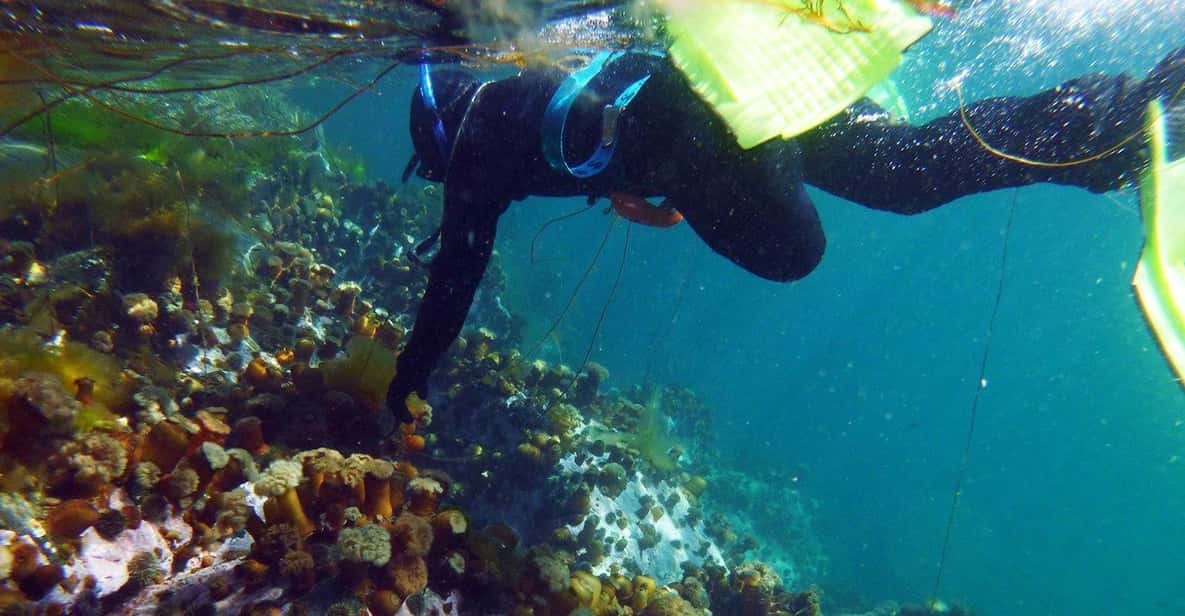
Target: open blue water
[(859, 379)]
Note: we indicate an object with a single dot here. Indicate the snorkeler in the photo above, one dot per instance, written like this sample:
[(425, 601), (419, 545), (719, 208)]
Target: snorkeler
[(630, 124)]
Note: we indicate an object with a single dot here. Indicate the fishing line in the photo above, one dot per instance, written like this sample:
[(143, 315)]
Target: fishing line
[(1109, 151), (592, 342), (560, 218), (664, 330), (193, 280), (580, 283), (979, 387), (625, 253), (86, 93), (979, 139), (51, 150), (53, 79)]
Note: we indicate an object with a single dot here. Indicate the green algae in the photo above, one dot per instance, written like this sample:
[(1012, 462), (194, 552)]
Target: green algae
[(23, 351), (650, 437), (159, 204), (365, 371)]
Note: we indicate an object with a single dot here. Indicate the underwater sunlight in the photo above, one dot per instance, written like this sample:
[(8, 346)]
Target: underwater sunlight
[(592, 307)]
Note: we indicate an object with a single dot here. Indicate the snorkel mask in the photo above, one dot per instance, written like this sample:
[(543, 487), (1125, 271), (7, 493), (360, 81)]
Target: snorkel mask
[(438, 107)]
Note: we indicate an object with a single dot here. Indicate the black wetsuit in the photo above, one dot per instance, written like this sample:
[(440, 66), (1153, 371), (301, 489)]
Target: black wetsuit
[(748, 205)]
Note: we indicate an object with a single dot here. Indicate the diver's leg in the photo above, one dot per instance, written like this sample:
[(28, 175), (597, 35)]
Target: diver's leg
[(862, 156), (754, 210)]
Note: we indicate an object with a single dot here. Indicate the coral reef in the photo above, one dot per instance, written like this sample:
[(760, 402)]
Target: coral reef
[(191, 415), (745, 505)]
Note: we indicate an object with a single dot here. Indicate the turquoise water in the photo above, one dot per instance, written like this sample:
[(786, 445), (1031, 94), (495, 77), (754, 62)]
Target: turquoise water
[(859, 380), (854, 386)]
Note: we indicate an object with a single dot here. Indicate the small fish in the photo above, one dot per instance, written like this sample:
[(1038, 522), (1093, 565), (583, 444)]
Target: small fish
[(932, 8)]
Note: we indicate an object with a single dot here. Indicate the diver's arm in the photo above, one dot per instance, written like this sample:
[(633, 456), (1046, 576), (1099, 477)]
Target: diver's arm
[(477, 191), (467, 240)]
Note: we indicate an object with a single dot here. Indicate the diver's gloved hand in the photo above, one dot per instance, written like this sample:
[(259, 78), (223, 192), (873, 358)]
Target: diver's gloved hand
[(1167, 80), (397, 393)]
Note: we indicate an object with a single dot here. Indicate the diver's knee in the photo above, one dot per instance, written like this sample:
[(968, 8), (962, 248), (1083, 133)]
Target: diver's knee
[(793, 264)]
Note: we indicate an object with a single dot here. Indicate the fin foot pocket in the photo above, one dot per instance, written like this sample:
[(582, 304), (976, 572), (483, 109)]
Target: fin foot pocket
[(1160, 275)]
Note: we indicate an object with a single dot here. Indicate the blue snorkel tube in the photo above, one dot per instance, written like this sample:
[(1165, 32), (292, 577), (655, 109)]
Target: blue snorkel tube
[(429, 97), (419, 252), (430, 101)]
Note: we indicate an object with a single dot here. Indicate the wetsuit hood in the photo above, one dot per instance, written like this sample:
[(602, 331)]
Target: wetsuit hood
[(438, 106)]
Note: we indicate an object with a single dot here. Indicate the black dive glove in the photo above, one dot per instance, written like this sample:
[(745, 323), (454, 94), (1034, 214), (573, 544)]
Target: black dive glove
[(398, 391)]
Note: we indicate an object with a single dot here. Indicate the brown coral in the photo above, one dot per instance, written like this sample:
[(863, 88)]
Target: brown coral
[(279, 484), (23, 563), (182, 484), (383, 603), (144, 570), (38, 403), (164, 445), (696, 485), (756, 574), (274, 542), (368, 544), (370, 477), (71, 518), (298, 566), (43, 580), (320, 464), (424, 495), (248, 434), (551, 568), (412, 534), (450, 526), (140, 309), (232, 510), (407, 574), (110, 523), (586, 386), (670, 604), (88, 465), (252, 572)]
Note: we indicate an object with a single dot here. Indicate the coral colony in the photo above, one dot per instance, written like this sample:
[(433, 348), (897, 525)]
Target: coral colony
[(197, 341)]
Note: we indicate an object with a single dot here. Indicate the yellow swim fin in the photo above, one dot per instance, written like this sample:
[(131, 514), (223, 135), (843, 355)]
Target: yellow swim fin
[(775, 68), (1160, 275)]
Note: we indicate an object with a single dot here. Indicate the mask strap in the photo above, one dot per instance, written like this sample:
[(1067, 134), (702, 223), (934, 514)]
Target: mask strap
[(410, 168)]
